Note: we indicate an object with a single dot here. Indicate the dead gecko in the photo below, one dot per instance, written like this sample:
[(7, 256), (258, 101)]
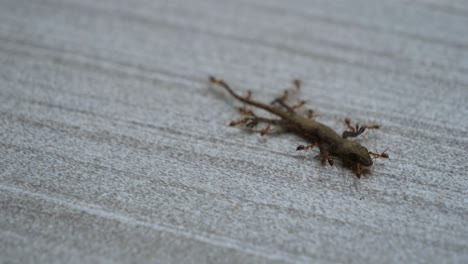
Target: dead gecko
[(353, 154)]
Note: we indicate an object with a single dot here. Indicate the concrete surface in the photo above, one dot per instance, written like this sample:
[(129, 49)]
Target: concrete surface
[(115, 150)]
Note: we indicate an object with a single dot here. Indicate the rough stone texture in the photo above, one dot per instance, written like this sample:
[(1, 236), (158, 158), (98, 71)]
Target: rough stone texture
[(114, 148)]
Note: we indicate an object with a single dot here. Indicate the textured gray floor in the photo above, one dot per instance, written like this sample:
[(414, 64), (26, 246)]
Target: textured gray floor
[(115, 149)]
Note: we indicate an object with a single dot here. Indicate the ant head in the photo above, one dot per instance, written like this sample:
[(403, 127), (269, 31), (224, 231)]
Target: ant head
[(356, 153)]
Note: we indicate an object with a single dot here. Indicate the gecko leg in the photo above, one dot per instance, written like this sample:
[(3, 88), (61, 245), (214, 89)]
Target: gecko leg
[(299, 105), (282, 102), (239, 122), (354, 131), (253, 121), (325, 155), (310, 114), (358, 170), (245, 111), (278, 122)]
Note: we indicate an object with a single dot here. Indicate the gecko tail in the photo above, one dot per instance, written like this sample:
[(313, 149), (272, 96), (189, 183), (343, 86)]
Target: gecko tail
[(248, 100)]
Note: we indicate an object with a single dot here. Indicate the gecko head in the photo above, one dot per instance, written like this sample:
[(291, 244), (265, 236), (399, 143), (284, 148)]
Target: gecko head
[(354, 152)]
